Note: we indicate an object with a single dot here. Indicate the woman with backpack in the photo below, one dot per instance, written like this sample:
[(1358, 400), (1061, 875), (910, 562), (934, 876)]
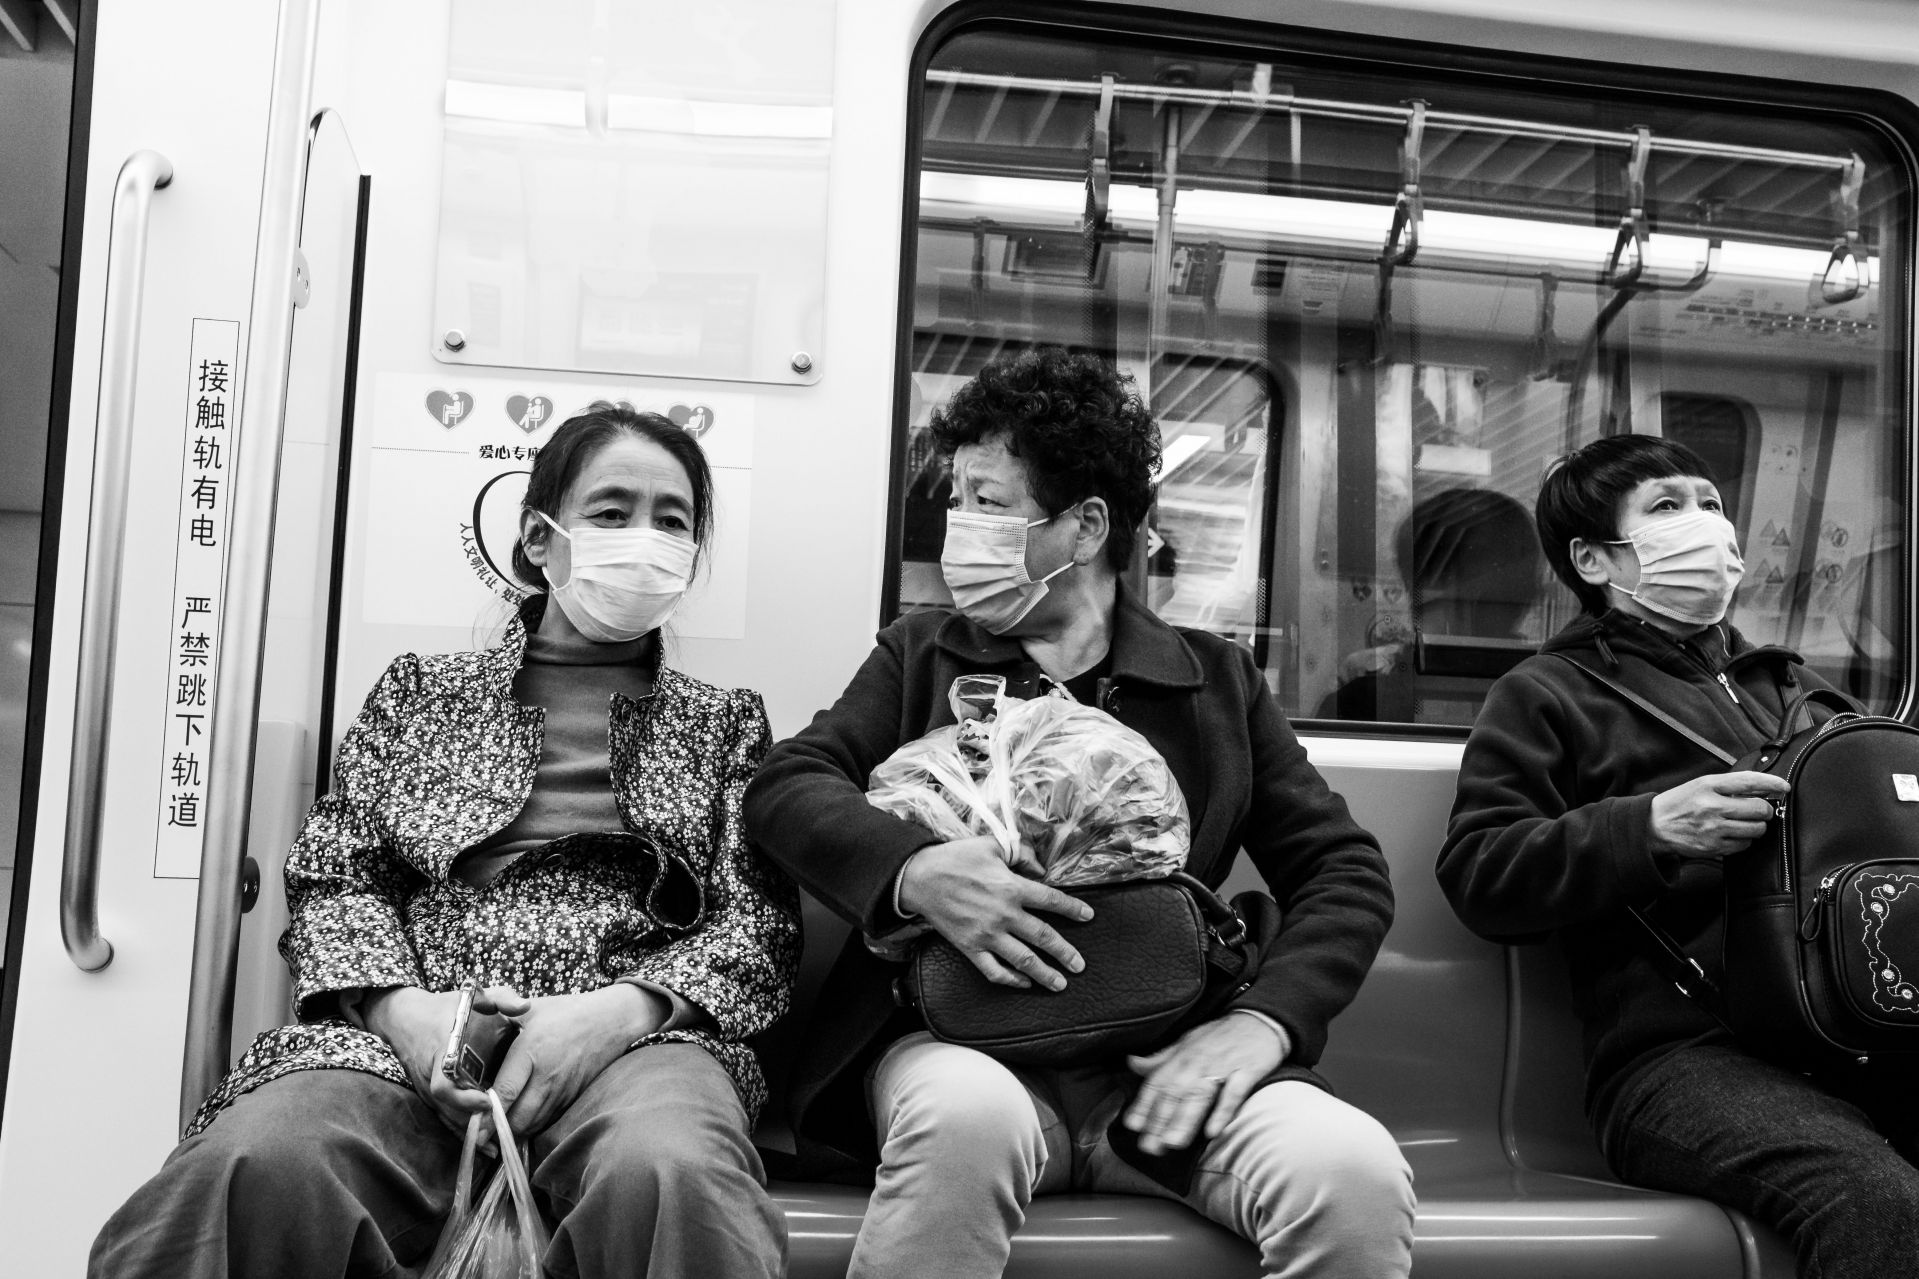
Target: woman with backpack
[(1578, 810)]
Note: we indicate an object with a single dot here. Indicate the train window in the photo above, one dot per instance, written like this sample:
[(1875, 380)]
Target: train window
[(1370, 304)]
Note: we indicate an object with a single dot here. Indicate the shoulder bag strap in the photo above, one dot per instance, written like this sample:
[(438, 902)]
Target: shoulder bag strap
[(1681, 969), (1697, 739)]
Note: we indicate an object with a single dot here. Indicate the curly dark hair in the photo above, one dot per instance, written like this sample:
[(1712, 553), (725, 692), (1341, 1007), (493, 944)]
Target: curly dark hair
[(562, 458), (1075, 422)]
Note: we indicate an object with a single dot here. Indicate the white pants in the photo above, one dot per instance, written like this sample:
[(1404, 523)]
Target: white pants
[(965, 1144)]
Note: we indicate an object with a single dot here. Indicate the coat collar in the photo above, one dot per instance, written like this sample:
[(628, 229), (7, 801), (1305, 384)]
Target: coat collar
[(1145, 649), (503, 660)]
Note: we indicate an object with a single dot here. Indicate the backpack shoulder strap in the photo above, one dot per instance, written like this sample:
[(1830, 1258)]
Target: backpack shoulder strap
[(1681, 969), (1697, 739)]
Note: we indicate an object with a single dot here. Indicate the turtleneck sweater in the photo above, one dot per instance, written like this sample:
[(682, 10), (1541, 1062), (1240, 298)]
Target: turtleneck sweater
[(573, 680)]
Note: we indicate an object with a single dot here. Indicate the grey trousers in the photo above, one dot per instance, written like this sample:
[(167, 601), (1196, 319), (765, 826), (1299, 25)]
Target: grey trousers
[(1708, 1119), (1317, 1185), (330, 1173)]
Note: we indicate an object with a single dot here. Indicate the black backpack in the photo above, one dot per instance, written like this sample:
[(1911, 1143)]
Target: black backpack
[(1822, 911)]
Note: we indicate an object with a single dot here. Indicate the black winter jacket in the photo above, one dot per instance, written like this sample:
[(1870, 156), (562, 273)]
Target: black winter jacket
[(1550, 830), (1198, 699)]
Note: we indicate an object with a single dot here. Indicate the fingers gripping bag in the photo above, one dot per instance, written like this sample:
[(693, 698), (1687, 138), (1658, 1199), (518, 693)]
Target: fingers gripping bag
[(502, 1236), (1088, 798)]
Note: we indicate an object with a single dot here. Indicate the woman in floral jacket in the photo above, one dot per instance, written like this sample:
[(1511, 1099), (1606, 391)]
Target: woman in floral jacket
[(558, 819)]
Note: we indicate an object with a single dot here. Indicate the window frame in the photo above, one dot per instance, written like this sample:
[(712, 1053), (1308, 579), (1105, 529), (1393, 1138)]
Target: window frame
[(1894, 118)]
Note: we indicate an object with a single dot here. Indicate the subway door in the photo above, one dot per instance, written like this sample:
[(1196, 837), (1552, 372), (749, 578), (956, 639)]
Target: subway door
[(171, 129)]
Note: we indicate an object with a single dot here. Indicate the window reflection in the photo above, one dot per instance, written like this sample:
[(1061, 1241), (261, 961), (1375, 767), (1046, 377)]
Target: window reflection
[(1370, 308)]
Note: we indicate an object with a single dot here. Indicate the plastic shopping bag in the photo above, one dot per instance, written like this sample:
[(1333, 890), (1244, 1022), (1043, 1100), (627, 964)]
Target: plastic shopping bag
[(1091, 798), (502, 1236)]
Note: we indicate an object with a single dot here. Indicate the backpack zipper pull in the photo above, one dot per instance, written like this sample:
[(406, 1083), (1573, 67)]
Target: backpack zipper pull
[(1811, 922), (1727, 685)]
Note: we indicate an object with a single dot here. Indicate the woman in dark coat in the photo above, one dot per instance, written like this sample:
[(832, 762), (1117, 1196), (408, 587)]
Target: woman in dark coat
[(1577, 809), (1052, 464)]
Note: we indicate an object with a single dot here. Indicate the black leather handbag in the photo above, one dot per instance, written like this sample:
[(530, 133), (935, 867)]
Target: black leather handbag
[(1161, 954), (1821, 956)]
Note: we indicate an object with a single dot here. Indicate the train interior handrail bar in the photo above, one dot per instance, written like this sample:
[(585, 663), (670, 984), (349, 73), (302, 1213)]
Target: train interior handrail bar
[(1400, 115), (143, 173)]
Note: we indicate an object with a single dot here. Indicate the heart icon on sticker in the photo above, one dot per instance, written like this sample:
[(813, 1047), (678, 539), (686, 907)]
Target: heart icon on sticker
[(697, 418), (529, 413), (448, 408)]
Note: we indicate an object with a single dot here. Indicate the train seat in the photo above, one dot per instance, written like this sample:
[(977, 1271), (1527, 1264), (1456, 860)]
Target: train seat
[(1468, 1054), (1466, 1051)]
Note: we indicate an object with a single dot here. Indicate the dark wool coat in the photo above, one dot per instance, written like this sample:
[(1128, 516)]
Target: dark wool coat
[(1198, 699), (1550, 832), (441, 758)]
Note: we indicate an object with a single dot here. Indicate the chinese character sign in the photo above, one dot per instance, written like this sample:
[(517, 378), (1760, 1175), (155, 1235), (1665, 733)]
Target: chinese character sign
[(199, 571)]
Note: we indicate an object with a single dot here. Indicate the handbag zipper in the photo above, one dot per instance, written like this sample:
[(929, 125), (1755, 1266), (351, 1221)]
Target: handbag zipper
[(1813, 921)]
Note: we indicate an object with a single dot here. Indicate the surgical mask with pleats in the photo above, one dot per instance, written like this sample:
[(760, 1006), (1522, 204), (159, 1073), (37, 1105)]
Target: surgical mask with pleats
[(1689, 566), (624, 581), (984, 563)]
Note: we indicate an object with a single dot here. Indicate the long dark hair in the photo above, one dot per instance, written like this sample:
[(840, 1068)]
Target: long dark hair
[(579, 438)]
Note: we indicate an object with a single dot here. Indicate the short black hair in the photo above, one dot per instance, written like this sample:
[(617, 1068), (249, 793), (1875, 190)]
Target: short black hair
[(1075, 422), (573, 445), (1478, 542), (1581, 494)]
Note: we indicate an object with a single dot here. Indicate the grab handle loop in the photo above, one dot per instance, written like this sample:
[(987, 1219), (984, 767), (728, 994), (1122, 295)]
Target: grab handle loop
[(1846, 277), (1634, 229)]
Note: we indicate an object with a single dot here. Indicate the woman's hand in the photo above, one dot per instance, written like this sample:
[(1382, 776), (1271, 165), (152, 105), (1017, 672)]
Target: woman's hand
[(1713, 816), (565, 1041), (415, 1024), (1205, 1074), (965, 890)]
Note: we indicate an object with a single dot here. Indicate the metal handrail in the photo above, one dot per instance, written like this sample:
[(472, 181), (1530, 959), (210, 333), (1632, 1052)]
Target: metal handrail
[(1383, 113), (143, 173), (243, 609)]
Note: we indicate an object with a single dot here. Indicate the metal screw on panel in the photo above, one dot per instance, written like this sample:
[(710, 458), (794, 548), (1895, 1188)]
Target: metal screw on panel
[(802, 362), (454, 340)]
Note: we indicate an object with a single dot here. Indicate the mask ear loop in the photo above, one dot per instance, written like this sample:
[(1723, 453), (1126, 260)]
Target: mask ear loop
[(554, 525), (1071, 562)]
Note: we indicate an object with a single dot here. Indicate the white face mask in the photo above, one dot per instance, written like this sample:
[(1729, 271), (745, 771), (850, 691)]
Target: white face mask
[(984, 562), (1689, 566), (623, 582)]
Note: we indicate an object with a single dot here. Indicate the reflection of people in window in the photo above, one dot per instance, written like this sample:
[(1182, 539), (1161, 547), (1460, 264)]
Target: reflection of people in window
[(1470, 561)]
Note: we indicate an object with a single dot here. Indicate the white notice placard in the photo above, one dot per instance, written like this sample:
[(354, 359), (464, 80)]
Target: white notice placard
[(447, 465), (199, 569)]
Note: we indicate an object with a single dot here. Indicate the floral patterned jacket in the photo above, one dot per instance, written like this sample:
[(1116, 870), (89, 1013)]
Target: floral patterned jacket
[(442, 757)]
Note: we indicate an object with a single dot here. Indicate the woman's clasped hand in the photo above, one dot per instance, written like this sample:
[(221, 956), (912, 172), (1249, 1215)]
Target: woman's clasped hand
[(564, 1043)]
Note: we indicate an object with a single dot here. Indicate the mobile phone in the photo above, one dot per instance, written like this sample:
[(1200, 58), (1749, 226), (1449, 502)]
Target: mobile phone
[(477, 1043)]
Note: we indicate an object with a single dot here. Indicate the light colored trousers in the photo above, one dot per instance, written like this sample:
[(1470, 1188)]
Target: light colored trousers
[(966, 1143)]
